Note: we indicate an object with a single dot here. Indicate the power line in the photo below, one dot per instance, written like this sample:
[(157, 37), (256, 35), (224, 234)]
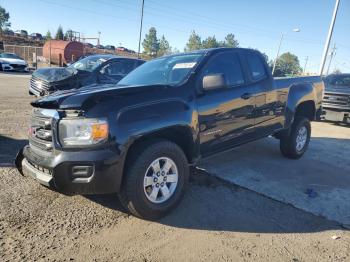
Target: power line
[(87, 10)]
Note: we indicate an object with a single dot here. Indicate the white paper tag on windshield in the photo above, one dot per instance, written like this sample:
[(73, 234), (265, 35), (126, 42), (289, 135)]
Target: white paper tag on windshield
[(184, 65)]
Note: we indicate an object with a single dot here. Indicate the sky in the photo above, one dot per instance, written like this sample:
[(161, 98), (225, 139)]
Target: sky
[(255, 24)]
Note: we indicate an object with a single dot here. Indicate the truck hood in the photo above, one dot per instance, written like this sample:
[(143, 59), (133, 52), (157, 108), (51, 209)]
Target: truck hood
[(86, 97), (54, 74), (337, 89)]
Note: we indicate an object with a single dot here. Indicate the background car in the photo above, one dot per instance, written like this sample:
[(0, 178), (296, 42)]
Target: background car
[(110, 47), (88, 45), (35, 36), (94, 69), (12, 62), (336, 99), (8, 32), (99, 47), (21, 33)]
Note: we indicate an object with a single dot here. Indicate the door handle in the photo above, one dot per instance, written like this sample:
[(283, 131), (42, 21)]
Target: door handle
[(246, 96)]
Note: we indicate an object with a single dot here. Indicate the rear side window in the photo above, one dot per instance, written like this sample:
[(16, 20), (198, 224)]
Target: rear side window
[(257, 68), (119, 68), (228, 64), (340, 81)]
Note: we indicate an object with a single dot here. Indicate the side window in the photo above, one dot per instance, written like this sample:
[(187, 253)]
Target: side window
[(228, 64), (120, 68), (257, 68)]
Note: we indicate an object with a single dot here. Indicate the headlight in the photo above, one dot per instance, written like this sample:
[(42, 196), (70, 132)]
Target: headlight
[(82, 132)]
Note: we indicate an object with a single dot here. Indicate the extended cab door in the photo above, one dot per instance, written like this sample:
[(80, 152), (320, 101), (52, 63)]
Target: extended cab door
[(225, 113), (267, 109)]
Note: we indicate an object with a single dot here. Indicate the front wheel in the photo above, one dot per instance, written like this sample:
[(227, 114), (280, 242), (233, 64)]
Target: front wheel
[(295, 144), (155, 180)]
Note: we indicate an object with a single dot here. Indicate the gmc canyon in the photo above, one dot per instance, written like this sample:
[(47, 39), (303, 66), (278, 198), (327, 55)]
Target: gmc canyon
[(140, 137), (336, 100)]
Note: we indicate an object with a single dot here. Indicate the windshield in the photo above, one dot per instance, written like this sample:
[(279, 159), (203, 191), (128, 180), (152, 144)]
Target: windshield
[(89, 63), (170, 70), (9, 56), (340, 81)]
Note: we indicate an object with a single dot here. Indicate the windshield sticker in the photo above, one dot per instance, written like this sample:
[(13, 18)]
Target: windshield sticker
[(184, 65)]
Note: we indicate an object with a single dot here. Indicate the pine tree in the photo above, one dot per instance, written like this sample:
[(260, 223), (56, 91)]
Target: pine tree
[(150, 43), (210, 42), (48, 35), (4, 18), (164, 47), (59, 34), (230, 41), (194, 42)]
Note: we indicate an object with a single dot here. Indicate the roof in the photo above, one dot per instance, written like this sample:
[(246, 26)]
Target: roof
[(110, 56), (210, 50)]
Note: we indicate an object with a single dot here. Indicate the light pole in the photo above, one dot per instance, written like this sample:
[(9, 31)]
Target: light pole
[(143, 5), (99, 37), (329, 37), (306, 60), (296, 30)]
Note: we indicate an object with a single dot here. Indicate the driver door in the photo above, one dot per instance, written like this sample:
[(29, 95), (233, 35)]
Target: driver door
[(226, 113)]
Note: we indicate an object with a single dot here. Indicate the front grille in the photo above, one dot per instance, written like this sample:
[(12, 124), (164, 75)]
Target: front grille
[(18, 67), (39, 85), (40, 168), (336, 99), (40, 130)]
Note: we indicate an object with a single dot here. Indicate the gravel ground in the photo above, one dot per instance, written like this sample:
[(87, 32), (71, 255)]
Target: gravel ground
[(215, 221)]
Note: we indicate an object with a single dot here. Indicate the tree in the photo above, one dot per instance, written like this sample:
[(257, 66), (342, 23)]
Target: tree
[(164, 47), (48, 35), (150, 43), (175, 50), (194, 42), (265, 56), (230, 41), (336, 71), (59, 34), (287, 64), (4, 18), (210, 42)]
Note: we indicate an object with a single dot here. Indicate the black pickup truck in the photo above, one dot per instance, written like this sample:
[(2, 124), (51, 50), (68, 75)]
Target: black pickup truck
[(140, 137), (336, 100)]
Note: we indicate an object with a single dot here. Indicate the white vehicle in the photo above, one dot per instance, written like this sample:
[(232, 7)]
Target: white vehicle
[(12, 62)]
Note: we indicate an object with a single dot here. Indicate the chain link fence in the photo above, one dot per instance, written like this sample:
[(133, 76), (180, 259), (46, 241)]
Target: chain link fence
[(33, 55)]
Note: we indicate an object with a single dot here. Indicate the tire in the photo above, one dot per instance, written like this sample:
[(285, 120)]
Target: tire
[(289, 145), (138, 199)]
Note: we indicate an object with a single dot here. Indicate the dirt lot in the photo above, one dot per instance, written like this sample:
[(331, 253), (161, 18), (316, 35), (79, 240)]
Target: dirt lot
[(215, 221)]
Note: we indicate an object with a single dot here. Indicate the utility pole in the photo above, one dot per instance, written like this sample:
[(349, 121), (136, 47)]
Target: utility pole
[(143, 5), (296, 30), (306, 60), (332, 54), (99, 36), (278, 53), (329, 37)]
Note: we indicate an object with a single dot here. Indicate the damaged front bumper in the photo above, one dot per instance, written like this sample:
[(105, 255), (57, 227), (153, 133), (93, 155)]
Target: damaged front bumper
[(84, 172)]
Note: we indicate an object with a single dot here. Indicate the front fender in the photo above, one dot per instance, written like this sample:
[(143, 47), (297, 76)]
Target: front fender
[(172, 119)]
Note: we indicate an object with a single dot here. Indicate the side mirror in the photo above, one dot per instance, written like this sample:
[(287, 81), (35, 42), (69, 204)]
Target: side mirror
[(212, 82)]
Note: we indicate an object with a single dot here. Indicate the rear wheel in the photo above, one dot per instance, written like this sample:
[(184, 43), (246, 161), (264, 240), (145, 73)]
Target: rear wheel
[(295, 144), (155, 180)]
